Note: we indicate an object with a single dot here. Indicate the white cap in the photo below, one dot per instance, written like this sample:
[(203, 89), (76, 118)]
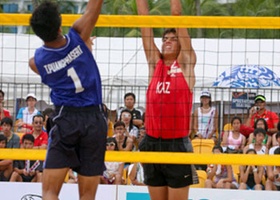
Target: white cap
[(205, 93), (30, 95)]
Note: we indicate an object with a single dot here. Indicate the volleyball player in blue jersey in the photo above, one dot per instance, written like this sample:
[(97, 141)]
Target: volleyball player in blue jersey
[(66, 65)]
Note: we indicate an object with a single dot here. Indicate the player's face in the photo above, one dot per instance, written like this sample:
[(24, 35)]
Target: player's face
[(170, 44), (27, 144)]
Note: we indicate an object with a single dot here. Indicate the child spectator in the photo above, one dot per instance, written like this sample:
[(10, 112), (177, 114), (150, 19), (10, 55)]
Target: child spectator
[(251, 176), (13, 140), (114, 170), (28, 170), (220, 176), (6, 166)]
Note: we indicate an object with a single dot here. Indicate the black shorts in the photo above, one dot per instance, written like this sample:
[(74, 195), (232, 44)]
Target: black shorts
[(27, 178), (172, 175), (78, 140)]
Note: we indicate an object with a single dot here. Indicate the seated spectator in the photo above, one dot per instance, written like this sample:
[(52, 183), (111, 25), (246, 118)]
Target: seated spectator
[(129, 102), (233, 139), (27, 170), (260, 123), (3, 111), (273, 175), (251, 176), (13, 140), (47, 113), (259, 111), (6, 166), (41, 137), (258, 146), (131, 130), (73, 176), (136, 174), (272, 149), (205, 118), (124, 142), (220, 176), (275, 142), (25, 115), (114, 170)]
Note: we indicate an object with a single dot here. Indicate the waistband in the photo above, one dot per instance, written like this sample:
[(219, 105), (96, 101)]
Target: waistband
[(95, 108), (184, 139)]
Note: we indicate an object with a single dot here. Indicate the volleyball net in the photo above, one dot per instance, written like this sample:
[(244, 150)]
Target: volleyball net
[(234, 41)]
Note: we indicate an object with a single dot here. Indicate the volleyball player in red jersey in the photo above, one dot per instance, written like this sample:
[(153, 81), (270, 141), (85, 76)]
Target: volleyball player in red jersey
[(168, 107)]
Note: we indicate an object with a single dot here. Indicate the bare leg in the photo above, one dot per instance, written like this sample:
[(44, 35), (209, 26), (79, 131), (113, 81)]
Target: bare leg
[(158, 193), (52, 182), (178, 193), (88, 186)]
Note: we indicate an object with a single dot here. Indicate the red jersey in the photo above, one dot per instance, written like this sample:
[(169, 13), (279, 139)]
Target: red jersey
[(271, 118), (168, 103), (41, 139)]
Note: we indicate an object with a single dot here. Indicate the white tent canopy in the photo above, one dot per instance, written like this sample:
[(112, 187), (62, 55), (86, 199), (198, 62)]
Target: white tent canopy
[(122, 61)]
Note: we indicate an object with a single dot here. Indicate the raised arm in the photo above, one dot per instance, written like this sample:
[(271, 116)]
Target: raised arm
[(85, 24), (187, 56), (151, 51)]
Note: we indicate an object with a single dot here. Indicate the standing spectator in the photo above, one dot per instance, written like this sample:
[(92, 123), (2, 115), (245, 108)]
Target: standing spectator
[(26, 170), (6, 166), (66, 64), (40, 136), (251, 176), (13, 140), (205, 118), (259, 111), (3, 111), (233, 139), (169, 102), (25, 114), (129, 102)]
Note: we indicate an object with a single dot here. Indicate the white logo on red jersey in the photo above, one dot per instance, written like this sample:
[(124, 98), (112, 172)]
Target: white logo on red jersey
[(163, 87)]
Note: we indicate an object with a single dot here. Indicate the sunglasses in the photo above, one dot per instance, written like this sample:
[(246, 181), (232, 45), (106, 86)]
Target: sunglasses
[(110, 144)]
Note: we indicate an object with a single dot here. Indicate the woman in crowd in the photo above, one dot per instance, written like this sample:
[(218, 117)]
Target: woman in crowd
[(251, 176)]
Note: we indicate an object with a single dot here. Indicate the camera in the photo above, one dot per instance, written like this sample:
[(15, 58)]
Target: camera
[(257, 108)]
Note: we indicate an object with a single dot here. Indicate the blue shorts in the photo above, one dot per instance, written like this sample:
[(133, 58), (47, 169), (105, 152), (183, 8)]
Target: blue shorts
[(78, 140), (171, 175)]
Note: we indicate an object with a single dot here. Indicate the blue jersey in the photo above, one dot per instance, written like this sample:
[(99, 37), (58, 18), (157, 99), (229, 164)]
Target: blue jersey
[(71, 72)]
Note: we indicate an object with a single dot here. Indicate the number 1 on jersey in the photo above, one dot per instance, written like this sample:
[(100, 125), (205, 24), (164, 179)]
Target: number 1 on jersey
[(74, 76)]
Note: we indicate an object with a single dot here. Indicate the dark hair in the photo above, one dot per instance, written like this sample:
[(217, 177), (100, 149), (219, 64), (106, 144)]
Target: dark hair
[(168, 30), (278, 126), (38, 115), (112, 139), (130, 94), (28, 137), (119, 123), (264, 122), (47, 112), (234, 118), (3, 94), (210, 102), (251, 150), (7, 120), (46, 21), (3, 137), (131, 120), (217, 147), (277, 150), (259, 130)]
